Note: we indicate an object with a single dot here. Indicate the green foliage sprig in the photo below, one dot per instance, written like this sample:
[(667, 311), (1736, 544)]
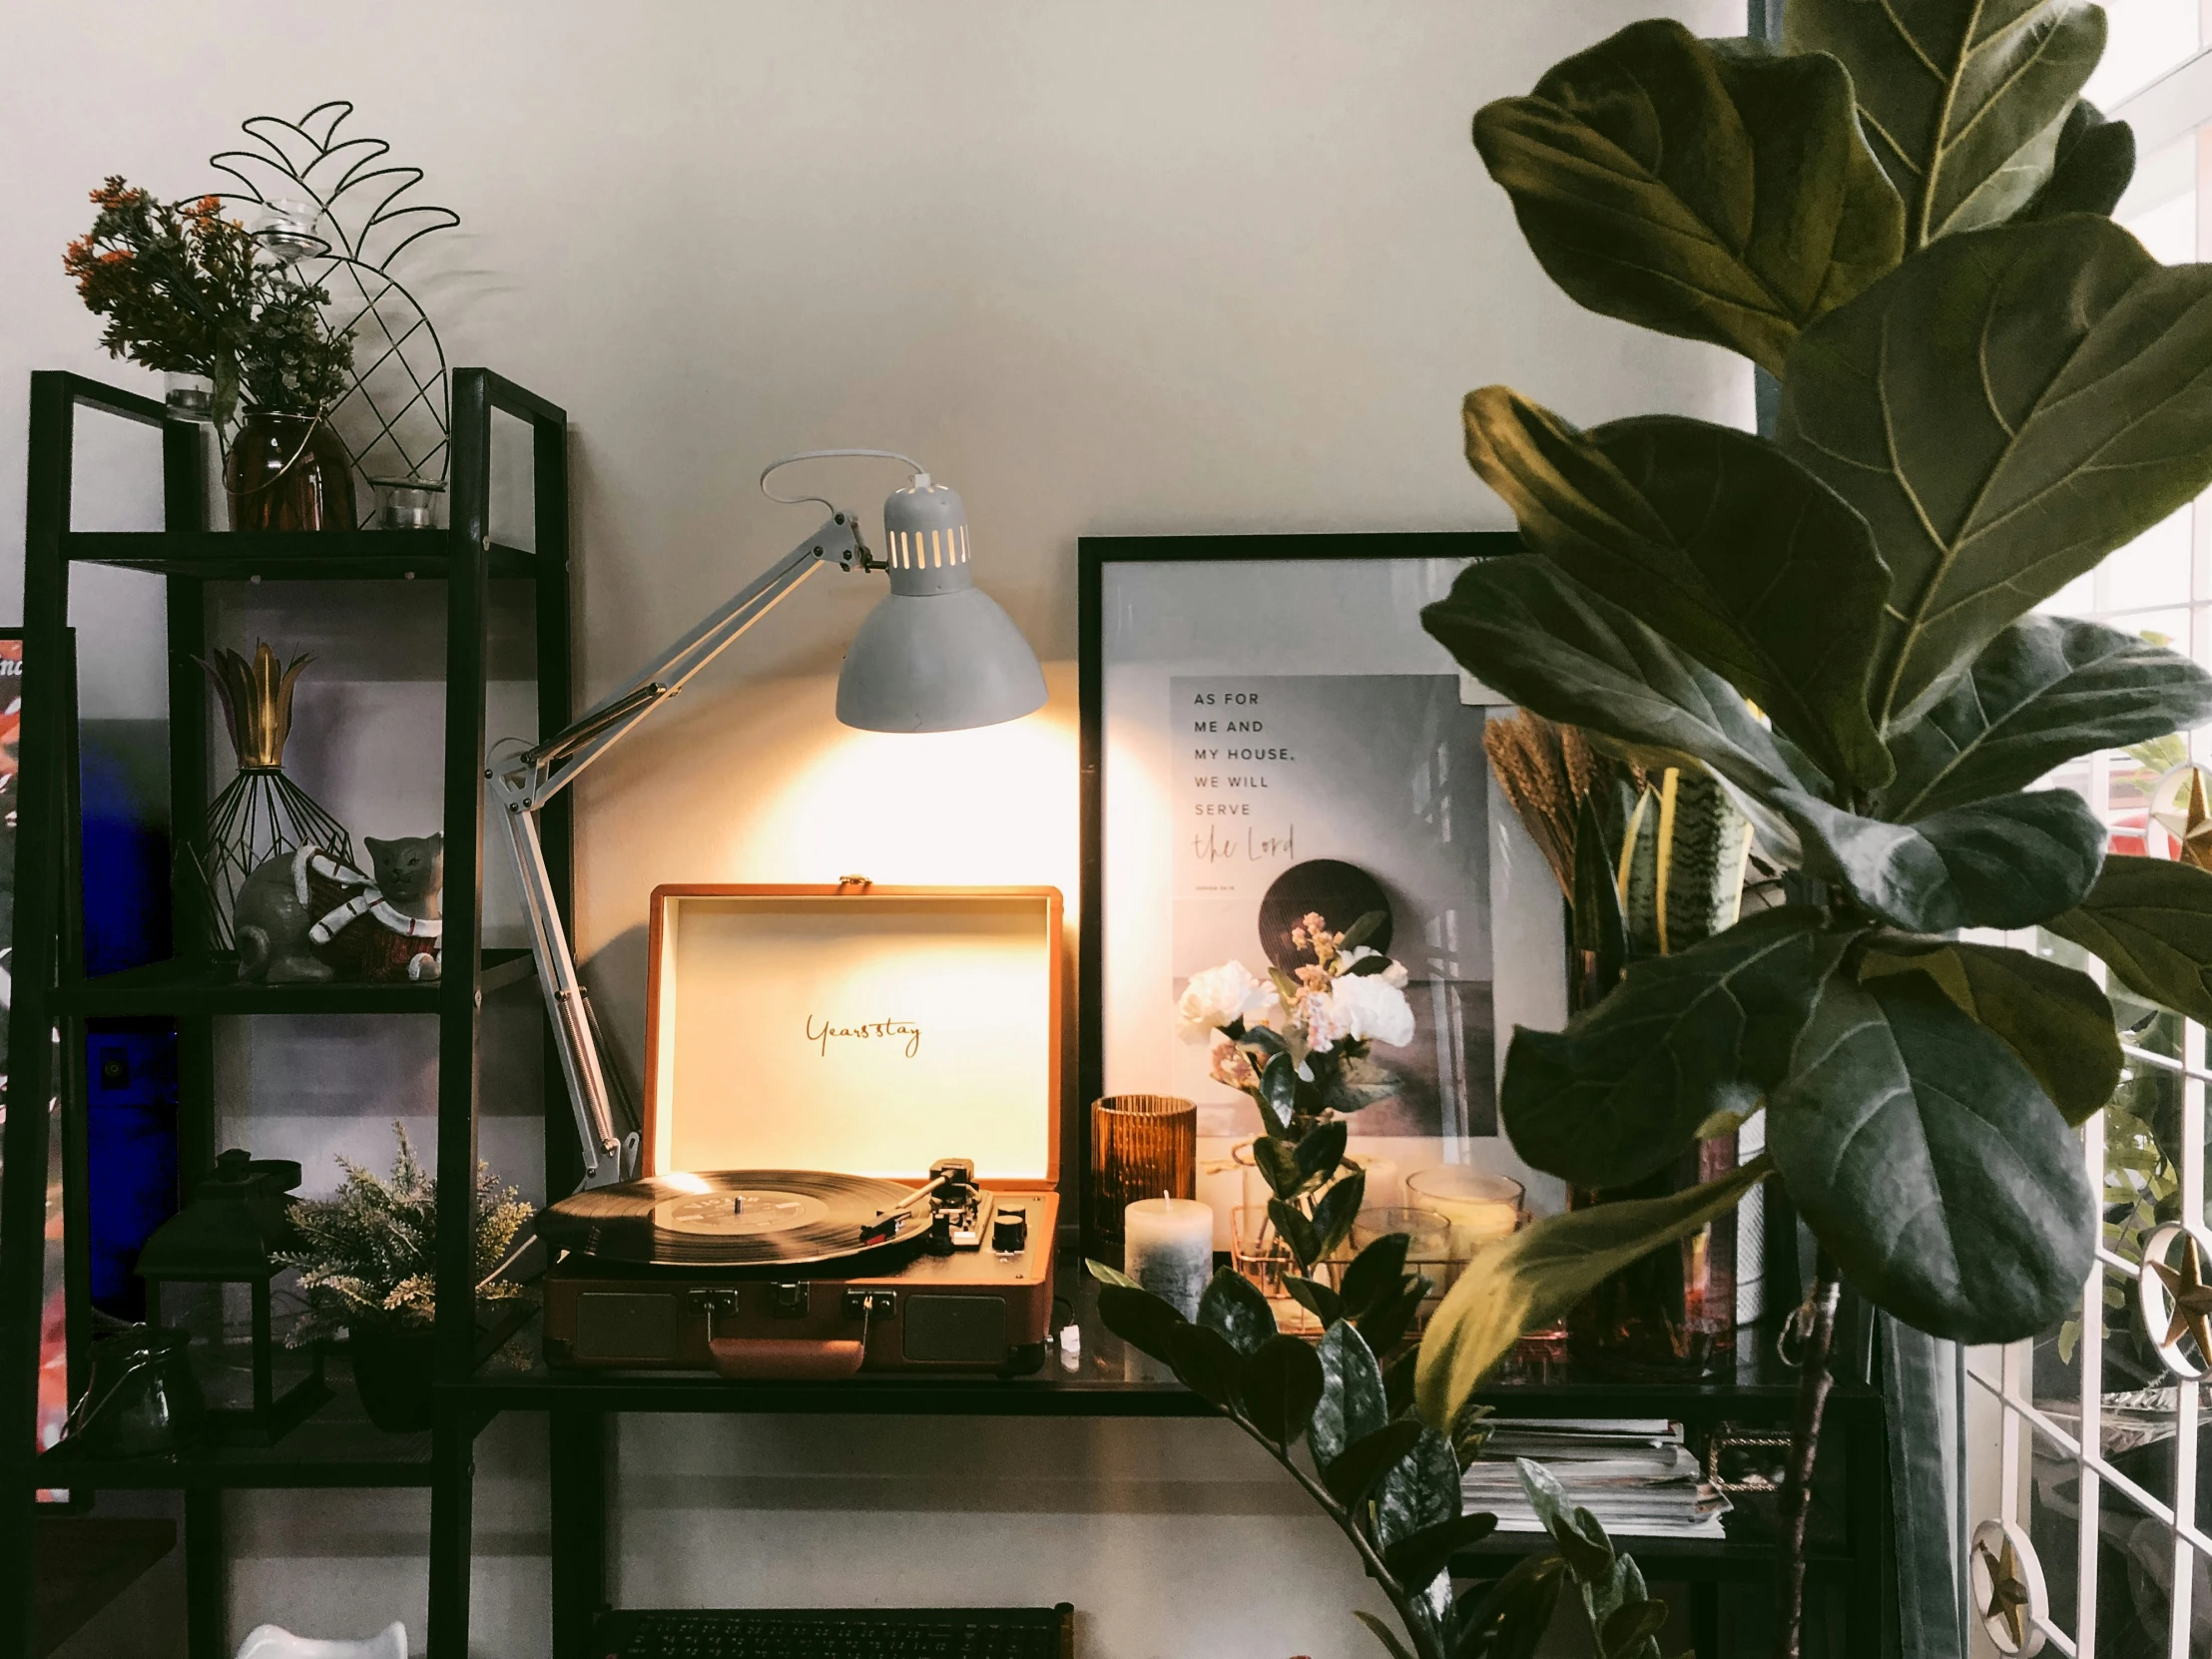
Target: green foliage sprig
[(368, 1255), (183, 292), (1387, 1479)]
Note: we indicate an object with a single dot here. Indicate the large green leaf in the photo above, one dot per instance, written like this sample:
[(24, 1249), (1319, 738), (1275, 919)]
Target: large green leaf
[(1718, 541), (2094, 162), (1932, 1165), (1695, 187), (1621, 1092), (1352, 1473), (2045, 690), (2151, 922), (1534, 1275), (1420, 1493), (2009, 862), (1232, 1305), (1962, 100), (2053, 1016), (2005, 410), (1529, 629), (1512, 1614), (1418, 1557)]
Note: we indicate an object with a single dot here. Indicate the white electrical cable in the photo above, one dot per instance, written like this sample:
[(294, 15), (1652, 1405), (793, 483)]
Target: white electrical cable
[(921, 477)]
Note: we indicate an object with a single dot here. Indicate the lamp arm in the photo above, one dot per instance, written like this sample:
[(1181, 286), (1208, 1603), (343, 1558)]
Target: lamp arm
[(522, 784)]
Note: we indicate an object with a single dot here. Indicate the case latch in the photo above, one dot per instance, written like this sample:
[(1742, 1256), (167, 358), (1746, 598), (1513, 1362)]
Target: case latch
[(853, 884)]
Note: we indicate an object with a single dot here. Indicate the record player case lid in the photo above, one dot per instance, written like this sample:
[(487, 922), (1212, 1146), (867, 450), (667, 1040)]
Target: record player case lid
[(860, 1028)]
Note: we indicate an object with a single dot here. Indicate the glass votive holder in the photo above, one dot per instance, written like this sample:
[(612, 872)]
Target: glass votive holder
[(1478, 1207), (405, 503), (1260, 1254), (1142, 1146)]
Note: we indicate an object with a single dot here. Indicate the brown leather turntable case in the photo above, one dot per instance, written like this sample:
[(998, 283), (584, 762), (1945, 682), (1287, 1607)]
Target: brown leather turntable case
[(860, 1029)]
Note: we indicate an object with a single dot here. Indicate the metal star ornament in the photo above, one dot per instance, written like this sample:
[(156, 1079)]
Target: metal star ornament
[(2181, 808), (2009, 1593), (2176, 1298)]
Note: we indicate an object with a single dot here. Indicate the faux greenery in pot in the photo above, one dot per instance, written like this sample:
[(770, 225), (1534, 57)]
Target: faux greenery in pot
[(367, 1261), (1987, 386)]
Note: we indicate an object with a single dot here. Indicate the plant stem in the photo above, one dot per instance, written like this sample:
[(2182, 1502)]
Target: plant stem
[(1400, 1601), (1805, 1440)]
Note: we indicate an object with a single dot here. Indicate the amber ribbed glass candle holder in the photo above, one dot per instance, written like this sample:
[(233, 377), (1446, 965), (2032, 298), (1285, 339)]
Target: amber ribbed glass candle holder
[(1142, 1146)]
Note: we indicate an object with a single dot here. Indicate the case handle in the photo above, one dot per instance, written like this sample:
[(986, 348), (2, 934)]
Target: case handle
[(786, 1358)]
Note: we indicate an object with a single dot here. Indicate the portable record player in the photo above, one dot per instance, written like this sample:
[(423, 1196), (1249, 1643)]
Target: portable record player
[(812, 1053)]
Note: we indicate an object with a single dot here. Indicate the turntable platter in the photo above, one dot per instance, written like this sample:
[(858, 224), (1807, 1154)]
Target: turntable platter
[(731, 1219)]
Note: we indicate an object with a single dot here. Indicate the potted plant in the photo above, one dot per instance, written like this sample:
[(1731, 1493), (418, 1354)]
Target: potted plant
[(1298, 1042), (186, 291), (1987, 386), (367, 1261)]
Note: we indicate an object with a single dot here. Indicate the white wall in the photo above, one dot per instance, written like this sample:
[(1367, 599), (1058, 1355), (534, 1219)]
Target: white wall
[(1122, 266)]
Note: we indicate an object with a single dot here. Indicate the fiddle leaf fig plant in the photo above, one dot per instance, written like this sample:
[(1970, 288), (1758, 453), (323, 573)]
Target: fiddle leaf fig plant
[(1987, 386)]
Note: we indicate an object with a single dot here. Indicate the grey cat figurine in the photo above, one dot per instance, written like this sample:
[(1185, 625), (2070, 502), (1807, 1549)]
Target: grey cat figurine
[(302, 916)]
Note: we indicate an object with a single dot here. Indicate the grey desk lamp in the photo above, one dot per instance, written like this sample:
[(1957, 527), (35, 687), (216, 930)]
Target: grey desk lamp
[(936, 655)]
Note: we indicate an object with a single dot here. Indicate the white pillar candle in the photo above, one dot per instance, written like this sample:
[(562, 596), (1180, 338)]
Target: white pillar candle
[(1169, 1249), (1480, 1207)]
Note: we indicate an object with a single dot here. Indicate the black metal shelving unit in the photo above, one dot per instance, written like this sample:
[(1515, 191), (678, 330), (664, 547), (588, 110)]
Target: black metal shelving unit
[(336, 1446)]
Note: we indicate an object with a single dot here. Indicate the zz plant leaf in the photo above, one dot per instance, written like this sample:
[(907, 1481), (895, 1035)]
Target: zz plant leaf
[(1232, 1306), (1626, 1087), (1927, 1158), (1719, 541), (1997, 463), (1696, 188)]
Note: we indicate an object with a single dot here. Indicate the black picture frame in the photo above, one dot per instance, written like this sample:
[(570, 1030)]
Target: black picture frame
[(1093, 555)]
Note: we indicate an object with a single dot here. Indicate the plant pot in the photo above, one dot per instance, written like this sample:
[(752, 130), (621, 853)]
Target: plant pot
[(392, 1370), (289, 472)]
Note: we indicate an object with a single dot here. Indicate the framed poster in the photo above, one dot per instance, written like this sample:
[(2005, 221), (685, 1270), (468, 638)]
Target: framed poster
[(1268, 734)]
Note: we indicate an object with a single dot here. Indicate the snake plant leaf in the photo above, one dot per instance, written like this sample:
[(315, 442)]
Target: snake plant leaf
[(1716, 540), (2053, 1017), (1354, 1403), (2151, 922), (2093, 166), (1598, 931), (1352, 1474), (2045, 689), (1280, 1386), (1621, 1092), (1695, 186), (1232, 1305), (1926, 1157), (2052, 407), (2011, 861), (1682, 867), (1534, 1275), (1527, 628), (1962, 100)]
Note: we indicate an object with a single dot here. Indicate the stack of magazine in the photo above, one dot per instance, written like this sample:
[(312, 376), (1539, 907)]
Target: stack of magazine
[(1633, 1473)]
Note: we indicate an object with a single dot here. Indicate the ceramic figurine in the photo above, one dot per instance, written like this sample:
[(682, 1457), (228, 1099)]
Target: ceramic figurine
[(305, 915), (268, 1641)]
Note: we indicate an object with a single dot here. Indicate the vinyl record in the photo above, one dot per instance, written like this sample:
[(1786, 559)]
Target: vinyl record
[(732, 1218)]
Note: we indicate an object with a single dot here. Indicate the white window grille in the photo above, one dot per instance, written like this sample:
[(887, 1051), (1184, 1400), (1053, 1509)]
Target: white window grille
[(2085, 1440)]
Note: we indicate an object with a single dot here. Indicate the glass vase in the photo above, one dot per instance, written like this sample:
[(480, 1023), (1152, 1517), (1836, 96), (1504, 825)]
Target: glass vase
[(289, 472), (1142, 1146), (1672, 1316)]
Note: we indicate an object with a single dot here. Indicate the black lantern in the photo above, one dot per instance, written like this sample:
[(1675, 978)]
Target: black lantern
[(226, 1234)]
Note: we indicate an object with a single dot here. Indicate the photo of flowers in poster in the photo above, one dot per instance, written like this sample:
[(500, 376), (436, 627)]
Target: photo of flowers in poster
[(1341, 798)]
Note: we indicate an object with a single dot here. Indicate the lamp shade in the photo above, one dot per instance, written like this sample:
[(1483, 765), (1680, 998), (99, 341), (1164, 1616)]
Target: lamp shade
[(938, 655)]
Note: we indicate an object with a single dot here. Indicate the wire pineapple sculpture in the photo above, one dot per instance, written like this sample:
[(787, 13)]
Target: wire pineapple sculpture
[(339, 217)]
